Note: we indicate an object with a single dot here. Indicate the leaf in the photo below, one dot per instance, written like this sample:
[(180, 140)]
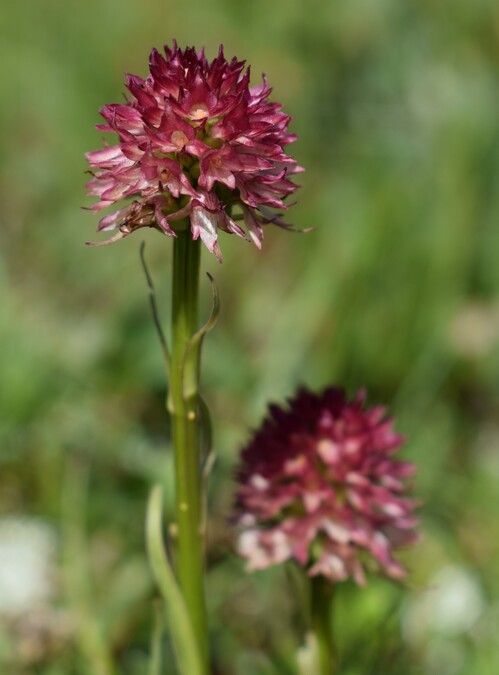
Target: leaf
[(155, 658), (154, 308), (192, 354), (184, 641), (206, 428)]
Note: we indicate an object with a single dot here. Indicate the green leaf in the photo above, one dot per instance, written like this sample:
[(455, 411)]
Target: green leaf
[(192, 355), (157, 633), (206, 426), (184, 641), (154, 308)]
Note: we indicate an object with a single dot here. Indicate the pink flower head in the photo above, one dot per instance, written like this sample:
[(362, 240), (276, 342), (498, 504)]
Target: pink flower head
[(194, 140), (319, 484)]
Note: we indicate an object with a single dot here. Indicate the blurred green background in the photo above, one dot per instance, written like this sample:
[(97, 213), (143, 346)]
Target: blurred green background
[(396, 108)]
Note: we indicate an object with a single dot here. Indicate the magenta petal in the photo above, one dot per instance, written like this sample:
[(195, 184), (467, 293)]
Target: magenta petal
[(254, 228), (204, 224), (109, 154), (109, 222), (163, 222)]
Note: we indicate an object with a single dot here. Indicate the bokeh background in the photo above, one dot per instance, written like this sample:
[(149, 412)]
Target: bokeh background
[(396, 107)]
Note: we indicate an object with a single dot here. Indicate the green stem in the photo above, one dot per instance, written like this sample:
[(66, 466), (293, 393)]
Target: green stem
[(183, 407), (321, 596)]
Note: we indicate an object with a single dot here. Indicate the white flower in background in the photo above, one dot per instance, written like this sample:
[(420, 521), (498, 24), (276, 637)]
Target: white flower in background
[(27, 565), (451, 605)]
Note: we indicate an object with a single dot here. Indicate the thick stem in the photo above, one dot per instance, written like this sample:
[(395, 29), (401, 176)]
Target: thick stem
[(321, 596), (186, 442)]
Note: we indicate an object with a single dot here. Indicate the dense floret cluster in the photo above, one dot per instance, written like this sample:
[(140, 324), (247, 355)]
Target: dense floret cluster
[(195, 142), (319, 484)]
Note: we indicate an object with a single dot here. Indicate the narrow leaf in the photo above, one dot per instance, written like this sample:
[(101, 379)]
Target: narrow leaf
[(157, 634), (206, 428), (154, 308), (192, 355), (184, 641)]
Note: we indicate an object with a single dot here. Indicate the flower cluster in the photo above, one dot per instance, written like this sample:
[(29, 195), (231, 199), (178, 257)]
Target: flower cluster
[(319, 484), (195, 140)]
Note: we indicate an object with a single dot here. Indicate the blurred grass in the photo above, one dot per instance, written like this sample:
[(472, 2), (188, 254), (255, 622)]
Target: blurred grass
[(395, 105)]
